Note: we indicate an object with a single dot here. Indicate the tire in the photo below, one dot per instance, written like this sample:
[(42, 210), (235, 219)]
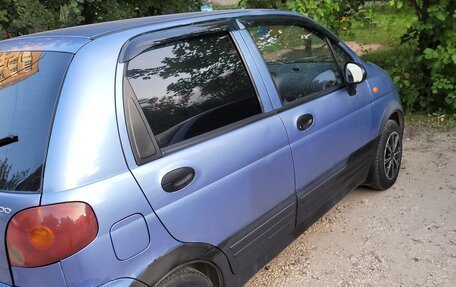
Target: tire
[(186, 277), (387, 162)]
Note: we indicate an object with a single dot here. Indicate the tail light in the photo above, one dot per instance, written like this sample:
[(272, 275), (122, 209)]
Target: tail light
[(46, 234)]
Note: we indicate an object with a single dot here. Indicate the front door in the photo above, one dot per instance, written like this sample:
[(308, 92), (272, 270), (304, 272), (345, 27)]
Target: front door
[(328, 129)]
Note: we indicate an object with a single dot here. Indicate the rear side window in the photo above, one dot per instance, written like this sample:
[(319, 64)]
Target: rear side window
[(29, 86), (192, 86)]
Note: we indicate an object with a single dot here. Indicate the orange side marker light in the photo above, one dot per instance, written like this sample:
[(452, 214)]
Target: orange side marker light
[(375, 89)]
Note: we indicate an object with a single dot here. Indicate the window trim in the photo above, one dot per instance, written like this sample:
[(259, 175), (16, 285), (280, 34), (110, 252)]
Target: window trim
[(138, 44), (331, 46), (215, 133), (127, 95), (310, 98), (336, 61), (307, 23), (171, 36), (313, 27)]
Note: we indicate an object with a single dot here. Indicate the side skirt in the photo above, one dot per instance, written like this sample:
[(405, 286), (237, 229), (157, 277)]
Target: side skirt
[(259, 242), (335, 183)]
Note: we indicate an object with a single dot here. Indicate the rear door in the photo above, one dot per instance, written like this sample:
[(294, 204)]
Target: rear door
[(212, 158), (29, 87), (330, 131)]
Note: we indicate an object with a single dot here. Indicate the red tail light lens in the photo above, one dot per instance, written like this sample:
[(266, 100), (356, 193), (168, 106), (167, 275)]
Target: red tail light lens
[(46, 234)]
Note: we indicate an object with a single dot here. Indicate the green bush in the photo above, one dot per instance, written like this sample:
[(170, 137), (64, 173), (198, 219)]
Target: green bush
[(427, 77), (399, 62)]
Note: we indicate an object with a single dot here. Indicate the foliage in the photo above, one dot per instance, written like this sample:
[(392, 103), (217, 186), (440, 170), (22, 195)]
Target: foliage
[(336, 15), (19, 17), (431, 69)]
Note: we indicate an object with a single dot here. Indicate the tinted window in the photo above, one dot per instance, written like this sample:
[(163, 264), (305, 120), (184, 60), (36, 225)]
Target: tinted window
[(192, 86), (29, 86), (300, 61)]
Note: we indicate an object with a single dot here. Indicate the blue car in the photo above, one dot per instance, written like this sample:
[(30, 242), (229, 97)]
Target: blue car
[(181, 150)]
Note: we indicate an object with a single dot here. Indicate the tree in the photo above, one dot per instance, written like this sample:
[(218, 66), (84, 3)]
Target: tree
[(19, 17)]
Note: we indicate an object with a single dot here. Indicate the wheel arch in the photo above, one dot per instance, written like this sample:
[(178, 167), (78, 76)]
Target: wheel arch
[(398, 117), (392, 112), (205, 258)]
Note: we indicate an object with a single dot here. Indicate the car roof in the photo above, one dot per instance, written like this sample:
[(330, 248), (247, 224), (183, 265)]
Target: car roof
[(98, 30), (72, 38)]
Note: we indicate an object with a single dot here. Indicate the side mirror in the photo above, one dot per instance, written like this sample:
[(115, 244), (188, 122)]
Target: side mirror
[(354, 74)]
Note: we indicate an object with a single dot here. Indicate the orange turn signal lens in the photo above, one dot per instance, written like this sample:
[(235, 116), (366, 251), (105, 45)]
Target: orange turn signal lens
[(375, 89), (41, 237)]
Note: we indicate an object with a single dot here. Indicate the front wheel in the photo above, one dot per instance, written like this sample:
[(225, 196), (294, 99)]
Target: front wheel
[(186, 277), (387, 162)]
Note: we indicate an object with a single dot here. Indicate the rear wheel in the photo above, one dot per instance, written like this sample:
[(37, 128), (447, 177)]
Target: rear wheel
[(186, 277), (387, 162)]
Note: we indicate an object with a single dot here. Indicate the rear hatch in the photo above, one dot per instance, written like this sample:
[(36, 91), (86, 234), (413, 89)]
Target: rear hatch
[(30, 83)]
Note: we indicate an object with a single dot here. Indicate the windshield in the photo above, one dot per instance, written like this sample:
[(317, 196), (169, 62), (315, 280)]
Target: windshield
[(29, 86)]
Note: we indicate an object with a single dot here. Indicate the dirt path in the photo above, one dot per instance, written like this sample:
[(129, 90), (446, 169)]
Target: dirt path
[(361, 49), (405, 236)]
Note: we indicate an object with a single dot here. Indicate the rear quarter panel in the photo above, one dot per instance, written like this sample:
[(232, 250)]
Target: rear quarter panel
[(86, 163)]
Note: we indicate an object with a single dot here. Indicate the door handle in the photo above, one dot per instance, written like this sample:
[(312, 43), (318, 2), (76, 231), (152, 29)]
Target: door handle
[(177, 179), (304, 122)]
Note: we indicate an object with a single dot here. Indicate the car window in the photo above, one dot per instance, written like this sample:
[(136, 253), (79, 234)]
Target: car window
[(29, 86), (300, 61), (192, 86)]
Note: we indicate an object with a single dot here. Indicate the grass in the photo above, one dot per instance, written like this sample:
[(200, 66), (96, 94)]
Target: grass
[(386, 25)]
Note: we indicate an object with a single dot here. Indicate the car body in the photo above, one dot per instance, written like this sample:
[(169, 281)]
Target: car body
[(244, 147)]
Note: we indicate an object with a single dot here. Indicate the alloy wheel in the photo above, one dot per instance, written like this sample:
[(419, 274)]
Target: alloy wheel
[(392, 155)]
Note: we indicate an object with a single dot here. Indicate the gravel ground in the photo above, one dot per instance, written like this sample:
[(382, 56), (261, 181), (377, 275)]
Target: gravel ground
[(405, 236)]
